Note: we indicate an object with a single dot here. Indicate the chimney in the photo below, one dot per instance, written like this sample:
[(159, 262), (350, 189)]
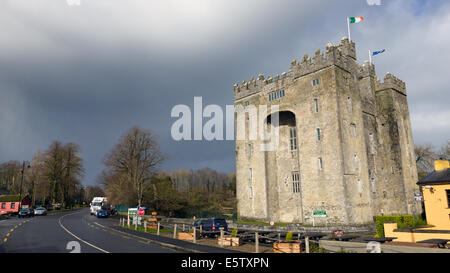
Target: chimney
[(440, 165)]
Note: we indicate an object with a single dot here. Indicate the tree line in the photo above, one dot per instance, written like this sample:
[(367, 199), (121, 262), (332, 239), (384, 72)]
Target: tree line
[(131, 177), (52, 177)]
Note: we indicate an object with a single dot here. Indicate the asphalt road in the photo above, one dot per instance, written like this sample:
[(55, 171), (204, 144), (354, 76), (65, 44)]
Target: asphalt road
[(68, 232)]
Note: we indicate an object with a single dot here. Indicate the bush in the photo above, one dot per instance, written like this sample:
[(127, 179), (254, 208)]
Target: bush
[(403, 221), (234, 233), (289, 236)]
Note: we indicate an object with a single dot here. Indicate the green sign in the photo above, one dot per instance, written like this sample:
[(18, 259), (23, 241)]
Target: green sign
[(320, 213), (132, 211)]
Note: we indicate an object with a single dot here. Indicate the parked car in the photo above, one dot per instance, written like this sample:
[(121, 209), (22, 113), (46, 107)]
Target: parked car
[(25, 213), (40, 211), (102, 213), (211, 226)]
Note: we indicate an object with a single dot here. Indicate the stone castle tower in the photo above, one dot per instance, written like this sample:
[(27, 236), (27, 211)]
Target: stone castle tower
[(345, 145)]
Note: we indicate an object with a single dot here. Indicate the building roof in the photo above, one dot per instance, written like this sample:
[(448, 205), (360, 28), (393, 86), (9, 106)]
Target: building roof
[(436, 177)]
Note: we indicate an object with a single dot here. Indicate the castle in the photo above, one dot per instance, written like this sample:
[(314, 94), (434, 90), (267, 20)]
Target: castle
[(345, 150)]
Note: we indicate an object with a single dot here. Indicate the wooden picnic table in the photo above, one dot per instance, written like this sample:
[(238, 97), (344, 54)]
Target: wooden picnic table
[(441, 243)]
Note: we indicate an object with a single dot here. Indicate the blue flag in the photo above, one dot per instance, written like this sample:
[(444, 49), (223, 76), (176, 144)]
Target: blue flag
[(378, 52)]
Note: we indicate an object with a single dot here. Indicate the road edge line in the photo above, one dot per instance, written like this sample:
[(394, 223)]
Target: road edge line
[(89, 244), (167, 245)]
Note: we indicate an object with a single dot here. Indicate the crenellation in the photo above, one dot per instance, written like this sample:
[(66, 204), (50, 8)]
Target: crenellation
[(391, 82), (367, 69)]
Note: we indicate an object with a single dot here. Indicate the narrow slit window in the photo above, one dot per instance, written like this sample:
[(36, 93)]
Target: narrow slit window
[(316, 105), (293, 139), (319, 134), (295, 182), (320, 164)]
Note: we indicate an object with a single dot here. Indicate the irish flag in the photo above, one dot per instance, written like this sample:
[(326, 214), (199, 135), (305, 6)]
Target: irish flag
[(354, 20)]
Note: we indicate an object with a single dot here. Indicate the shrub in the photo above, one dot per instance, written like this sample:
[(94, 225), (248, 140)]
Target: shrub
[(403, 221), (234, 233), (289, 236)]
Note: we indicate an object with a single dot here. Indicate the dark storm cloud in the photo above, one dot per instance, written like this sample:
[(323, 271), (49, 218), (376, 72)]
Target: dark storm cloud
[(87, 74)]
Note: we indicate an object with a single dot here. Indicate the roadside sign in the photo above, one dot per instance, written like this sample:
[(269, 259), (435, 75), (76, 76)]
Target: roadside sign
[(132, 211), (141, 212), (417, 197), (320, 213)]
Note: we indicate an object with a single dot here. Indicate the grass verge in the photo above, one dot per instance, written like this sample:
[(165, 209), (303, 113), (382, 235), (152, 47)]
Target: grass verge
[(149, 230)]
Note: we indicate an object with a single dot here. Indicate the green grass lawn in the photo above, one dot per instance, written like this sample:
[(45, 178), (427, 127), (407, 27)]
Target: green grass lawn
[(149, 230)]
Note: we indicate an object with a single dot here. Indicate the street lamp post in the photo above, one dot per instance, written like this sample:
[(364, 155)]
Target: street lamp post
[(21, 182)]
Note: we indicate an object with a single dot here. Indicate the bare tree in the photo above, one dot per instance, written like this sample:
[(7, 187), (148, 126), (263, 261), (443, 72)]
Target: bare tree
[(93, 191), (63, 170), (10, 176), (135, 158), (444, 152), (72, 173)]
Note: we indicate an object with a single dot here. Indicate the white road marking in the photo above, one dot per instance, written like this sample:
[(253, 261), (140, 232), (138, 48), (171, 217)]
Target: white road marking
[(99, 225), (89, 244)]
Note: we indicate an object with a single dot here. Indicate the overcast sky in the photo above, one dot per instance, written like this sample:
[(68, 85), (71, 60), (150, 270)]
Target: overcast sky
[(88, 73)]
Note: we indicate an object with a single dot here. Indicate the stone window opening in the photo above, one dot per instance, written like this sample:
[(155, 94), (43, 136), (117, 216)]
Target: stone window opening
[(319, 134), (349, 104), (287, 118), (250, 174), (315, 82), (277, 95), (250, 150), (353, 129), (320, 163), (293, 139), (295, 182), (356, 161), (316, 105), (250, 192)]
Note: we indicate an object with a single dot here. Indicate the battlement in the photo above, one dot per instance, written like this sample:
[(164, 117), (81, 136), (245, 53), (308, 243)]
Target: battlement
[(391, 82), (343, 55)]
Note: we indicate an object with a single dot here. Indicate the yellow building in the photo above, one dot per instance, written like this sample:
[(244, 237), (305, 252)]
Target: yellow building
[(435, 189), (436, 195)]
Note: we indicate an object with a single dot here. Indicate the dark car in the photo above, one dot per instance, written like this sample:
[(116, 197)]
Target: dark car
[(102, 213), (26, 213), (211, 226)]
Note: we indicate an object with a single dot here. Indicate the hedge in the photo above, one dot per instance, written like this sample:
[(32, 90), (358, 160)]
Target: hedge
[(401, 220)]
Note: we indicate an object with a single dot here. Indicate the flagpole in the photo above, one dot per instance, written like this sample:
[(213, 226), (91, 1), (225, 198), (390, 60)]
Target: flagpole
[(370, 56), (348, 26)]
